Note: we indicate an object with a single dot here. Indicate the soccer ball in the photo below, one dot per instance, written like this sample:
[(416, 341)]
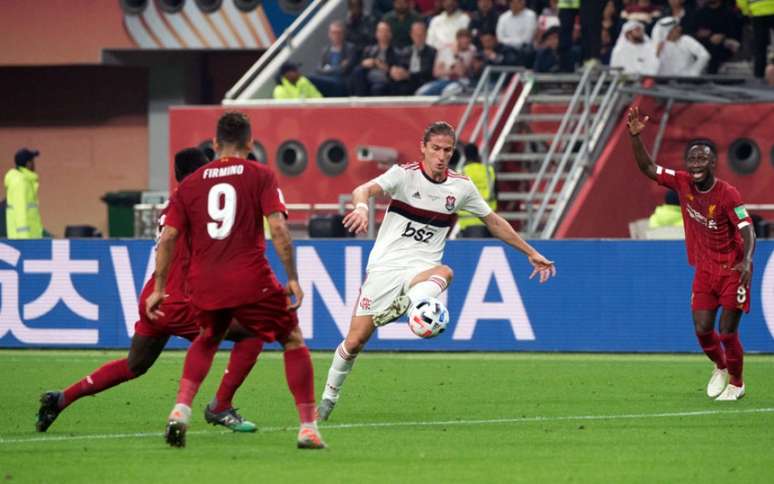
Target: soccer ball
[(428, 317)]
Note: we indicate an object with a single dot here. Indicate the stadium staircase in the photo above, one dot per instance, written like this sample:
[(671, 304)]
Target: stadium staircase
[(542, 132)]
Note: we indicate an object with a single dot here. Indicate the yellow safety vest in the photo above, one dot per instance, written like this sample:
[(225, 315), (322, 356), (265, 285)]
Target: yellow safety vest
[(477, 174), (756, 8), (564, 4), (302, 89), (666, 216), (22, 215)]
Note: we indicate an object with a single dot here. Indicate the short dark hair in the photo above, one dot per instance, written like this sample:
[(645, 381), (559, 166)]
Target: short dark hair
[(233, 129), (188, 161), (701, 142), (471, 153), (439, 128)]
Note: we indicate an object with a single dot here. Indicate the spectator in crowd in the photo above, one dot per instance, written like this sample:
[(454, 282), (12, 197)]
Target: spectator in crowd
[(415, 63), (667, 214), (359, 25), (770, 75), (336, 63), (400, 20), (634, 52), (22, 212), (380, 8), (718, 28), (611, 27), (643, 11), (483, 19), (428, 8), (292, 85), (483, 177), (371, 77), (678, 54), (762, 14), (516, 31), (682, 12), (443, 27), (549, 17), (454, 66), (590, 12), (547, 58), (492, 52)]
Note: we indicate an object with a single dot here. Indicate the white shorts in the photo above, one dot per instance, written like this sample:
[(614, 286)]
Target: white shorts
[(381, 288)]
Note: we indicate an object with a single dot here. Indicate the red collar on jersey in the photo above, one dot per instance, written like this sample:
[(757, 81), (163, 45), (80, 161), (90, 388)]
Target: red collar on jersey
[(422, 169)]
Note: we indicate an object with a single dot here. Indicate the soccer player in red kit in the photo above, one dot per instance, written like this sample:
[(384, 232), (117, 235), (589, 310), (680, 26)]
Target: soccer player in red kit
[(219, 210), (150, 337), (720, 240)]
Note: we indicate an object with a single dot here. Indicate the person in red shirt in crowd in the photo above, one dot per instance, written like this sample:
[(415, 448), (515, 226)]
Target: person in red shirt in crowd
[(219, 210), (150, 337), (720, 240)]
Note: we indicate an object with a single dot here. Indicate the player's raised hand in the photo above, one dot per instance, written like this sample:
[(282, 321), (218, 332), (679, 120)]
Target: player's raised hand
[(357, 220), (152, 304), (633, 121), (542, 266), (295, 293), (745, 272)]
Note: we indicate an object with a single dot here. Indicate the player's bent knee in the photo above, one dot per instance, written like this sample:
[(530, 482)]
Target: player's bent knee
[(294, 340), (447, 272), (139, 368)]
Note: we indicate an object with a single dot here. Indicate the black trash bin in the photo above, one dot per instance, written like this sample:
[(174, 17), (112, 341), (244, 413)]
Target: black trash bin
[(121, 212)]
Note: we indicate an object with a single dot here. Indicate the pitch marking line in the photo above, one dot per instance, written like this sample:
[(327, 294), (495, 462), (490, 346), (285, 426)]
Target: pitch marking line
[(560, 418)]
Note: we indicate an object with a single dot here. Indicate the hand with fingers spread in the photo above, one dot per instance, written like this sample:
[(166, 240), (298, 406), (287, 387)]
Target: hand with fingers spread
[(152, 304), (294, 291), (542, 266), (357, 220), (633, 121)]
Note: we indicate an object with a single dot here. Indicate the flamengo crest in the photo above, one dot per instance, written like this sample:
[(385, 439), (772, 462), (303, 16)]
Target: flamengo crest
[(450, 201)]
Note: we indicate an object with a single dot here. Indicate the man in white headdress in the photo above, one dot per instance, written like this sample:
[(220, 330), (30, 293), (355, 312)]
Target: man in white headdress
[(678, 54), (634, 51)]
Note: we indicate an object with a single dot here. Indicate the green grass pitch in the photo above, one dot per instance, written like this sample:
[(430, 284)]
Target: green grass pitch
[(421, 418)]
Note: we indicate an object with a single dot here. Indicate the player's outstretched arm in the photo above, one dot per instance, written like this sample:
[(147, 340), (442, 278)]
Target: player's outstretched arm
[(357, 220), (283, 244), (636, 125), (745, 266), (500, 228), (165, 252)]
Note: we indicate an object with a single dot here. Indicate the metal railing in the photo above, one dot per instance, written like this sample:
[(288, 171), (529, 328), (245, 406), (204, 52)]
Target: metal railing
[(496, 87), (575, 159), (284, 40)]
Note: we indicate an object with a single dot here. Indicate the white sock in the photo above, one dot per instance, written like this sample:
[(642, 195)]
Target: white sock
[(341, 366), (181, 413), (432, 287)]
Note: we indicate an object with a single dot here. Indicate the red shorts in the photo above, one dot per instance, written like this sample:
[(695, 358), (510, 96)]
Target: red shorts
[(180, 319), (711, 291), (269, 319)]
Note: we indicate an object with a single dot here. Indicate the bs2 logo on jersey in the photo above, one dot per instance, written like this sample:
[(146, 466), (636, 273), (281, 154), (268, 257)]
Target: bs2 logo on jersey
[(420, 235)]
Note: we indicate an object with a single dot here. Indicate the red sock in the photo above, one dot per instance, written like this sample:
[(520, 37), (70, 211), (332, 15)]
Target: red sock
[(300, 376), (710, 343), (197, 364), (104, 377), (734, 357), (243, 357)]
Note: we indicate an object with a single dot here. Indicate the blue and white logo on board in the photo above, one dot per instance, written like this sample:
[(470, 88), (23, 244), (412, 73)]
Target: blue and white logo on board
[(622, 296)]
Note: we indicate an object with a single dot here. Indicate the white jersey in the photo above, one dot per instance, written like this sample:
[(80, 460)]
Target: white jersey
[(420, 216)]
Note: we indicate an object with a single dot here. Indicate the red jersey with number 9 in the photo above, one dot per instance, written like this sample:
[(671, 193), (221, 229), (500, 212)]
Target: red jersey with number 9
[(712, 221), (220, 210)]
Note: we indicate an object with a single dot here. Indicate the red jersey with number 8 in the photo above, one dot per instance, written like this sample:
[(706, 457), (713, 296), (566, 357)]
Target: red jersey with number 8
[(220, 210), (712, 220)]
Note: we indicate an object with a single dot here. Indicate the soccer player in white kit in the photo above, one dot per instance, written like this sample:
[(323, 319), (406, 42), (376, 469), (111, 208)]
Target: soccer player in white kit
[(405, 262)]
